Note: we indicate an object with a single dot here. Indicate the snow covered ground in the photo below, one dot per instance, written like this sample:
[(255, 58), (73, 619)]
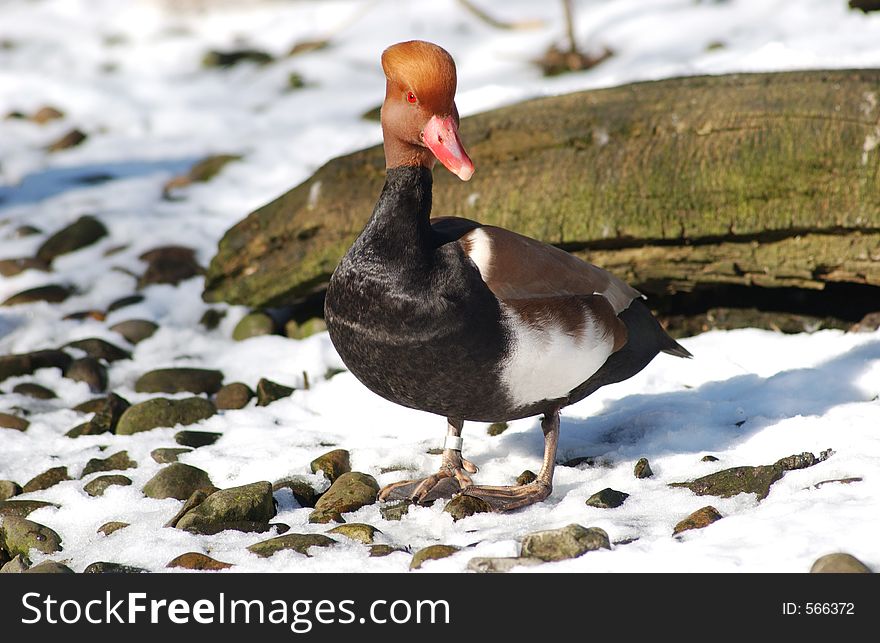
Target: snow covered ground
[(129, 74)]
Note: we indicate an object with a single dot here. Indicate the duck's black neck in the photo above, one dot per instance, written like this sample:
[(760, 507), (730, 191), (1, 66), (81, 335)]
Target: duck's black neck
[(400, 228)]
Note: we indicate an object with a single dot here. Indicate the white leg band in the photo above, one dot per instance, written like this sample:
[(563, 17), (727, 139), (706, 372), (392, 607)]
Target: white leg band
[(453, 442)]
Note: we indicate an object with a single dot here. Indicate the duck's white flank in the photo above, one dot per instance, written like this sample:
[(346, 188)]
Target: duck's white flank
[(546, 362)]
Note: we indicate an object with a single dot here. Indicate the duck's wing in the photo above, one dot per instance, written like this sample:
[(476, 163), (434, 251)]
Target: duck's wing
[(516, 267)]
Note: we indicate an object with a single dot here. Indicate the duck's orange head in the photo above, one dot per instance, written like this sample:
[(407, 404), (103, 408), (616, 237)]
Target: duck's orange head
[(419, 112)]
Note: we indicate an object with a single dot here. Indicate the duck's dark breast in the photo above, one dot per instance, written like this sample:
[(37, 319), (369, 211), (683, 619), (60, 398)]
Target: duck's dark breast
[(431, 339)]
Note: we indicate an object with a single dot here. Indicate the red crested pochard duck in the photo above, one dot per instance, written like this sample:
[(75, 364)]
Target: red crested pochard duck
[(471, 321)]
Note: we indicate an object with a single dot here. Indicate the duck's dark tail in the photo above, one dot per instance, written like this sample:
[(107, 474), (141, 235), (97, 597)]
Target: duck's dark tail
[(677, 349)]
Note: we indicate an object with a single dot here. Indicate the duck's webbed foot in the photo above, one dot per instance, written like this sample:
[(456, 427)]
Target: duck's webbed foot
[(510, 498), (451, 479)]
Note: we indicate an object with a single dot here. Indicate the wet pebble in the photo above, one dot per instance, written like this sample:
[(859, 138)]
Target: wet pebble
[(361, 532), (81, 233), (642, 469), (109, 527), (196, 439), (48, 478), (697, 520), (839, 563), (333, 464), (34, 390), (177, 480), (99, 349), (300, 543), (90, 371), (180, 380), (432, 552), (99, 485), (20, 535), (198, 562), (9, 421), (9, 489), (51, 294), (167, 455), (349, 492), (164, 412), (561, 544), (247, 503), (116, 462), (135, 330), (269, 391), (233, 396), (102, 567), (607, 499), (169, 265), (253, 325)]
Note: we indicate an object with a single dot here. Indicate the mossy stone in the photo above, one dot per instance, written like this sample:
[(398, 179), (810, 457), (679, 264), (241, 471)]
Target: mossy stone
[(48, 478), (526, 477), (49, 567), (233, 396), (104, 567), (697, 520), (252, 502), (196, 439), (34, 390), (107, 411), (432, 552), (20, 535), (253, 325), (135, 330), (561, 544), (608, 498), (180, 380), (22, 508), (99, 485), (302, 491), (349, 492), (167, 455), (116, 462), (9, 421), (198, 562), (464, 505), (164, 412), (300, 543), (28, 363), (81, 233), (333, 464), (361, 532), (642, 469), (839, 563), (308, 328), (177, 480), (9, 489), (109, 527), (269, 391), (395, 510), (730, 482), (99, 349), (88, 370)]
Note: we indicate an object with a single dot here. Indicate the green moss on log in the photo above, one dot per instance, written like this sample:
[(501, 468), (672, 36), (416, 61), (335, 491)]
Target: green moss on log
[(766, 179)]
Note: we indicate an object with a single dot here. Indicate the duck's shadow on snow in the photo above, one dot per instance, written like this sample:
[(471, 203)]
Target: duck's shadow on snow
[(50, 182), (709, 418)]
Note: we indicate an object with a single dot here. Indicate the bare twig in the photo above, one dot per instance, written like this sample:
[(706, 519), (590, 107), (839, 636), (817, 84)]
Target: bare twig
[(499, 24)]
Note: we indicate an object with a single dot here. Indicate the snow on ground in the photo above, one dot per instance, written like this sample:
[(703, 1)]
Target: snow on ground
[(129, 75)]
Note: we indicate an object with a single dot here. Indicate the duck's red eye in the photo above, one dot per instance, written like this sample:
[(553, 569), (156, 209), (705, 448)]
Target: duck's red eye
[(411, 97)]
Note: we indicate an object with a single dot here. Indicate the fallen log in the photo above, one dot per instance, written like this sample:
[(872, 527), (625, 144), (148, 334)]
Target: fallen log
[(753, 180)]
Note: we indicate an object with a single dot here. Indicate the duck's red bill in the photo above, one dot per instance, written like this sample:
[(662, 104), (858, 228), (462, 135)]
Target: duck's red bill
[(441, 137)]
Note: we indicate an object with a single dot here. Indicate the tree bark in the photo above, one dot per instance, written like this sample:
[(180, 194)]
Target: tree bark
[(750, 179)]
